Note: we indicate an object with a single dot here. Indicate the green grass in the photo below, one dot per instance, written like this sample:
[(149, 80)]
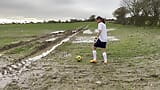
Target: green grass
[(35, 29), (134, 42), (133, 61), (17, 32)]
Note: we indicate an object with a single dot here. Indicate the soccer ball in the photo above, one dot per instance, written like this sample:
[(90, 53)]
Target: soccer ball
[(79, 58)]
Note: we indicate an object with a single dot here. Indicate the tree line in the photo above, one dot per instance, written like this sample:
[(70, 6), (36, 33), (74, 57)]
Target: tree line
[(91, 18), (138, 12)]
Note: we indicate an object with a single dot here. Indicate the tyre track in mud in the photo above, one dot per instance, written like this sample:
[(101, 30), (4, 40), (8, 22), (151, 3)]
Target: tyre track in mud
[(16, 68), (21, 43), (46, 45), (8, 56)]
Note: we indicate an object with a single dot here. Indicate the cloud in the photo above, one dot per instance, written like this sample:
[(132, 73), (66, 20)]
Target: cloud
[(58, 8)]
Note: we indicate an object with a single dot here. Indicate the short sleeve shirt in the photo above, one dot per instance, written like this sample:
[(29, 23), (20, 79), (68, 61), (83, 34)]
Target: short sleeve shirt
[(103, 35)]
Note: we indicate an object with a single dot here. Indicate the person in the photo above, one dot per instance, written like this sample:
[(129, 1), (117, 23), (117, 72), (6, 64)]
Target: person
[(100, 40)]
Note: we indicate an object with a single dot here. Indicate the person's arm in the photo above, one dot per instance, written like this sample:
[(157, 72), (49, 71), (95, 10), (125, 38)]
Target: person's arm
[(100, 30), (98, 34)]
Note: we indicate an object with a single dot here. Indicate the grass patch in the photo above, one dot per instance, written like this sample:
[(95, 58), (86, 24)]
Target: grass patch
[(18, 32), (134, 42)]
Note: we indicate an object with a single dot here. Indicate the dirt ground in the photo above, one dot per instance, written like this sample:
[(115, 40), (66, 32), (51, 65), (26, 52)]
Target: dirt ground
[(60, 71)]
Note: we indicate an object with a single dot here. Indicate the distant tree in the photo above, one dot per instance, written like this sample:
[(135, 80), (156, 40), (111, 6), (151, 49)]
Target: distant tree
[(39, 22), (44, 21), (59, 21), (67, 21), (51, 21), (120, 14), (13, 23), (31, 23), (142, 11), (92, 18), (155, 11), (73, 20)]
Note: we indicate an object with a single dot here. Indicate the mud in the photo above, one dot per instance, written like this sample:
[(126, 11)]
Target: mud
[(34, 36), (21, 43), (38, 45), (50, 74), (60, 71), (19, 67)]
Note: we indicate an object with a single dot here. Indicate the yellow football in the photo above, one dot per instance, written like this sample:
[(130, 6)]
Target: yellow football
[(78, 58)]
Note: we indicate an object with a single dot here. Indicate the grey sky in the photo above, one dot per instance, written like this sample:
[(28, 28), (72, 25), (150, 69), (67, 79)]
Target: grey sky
[(58, 8)]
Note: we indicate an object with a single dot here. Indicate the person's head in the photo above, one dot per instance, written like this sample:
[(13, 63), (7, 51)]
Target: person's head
[(100, 19)]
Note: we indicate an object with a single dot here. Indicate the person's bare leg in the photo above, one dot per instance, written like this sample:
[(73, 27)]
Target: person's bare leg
[(104, 55)]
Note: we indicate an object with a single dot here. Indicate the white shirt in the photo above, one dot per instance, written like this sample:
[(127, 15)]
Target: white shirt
[(103, 29)]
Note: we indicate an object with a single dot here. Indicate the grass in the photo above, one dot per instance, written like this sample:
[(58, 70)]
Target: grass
[(134, 42), (133, 61), (18, 32)]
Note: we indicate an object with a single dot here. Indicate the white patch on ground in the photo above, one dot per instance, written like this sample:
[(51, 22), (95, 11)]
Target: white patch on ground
[(1, 75), (98, 82), (111, 29), (87, 32), (4, 81), (96, 31), (112, 38), (51, 39), (158, 37), (15, 42), (90, 39), (108, 30), (84, 39), (55, 32)]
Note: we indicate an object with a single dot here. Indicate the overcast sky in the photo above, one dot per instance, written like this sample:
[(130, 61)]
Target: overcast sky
[(57, 8)]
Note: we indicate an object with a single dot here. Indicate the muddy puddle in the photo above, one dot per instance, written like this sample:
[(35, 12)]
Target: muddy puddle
[(91, 36), (90, 39), (96, 31)]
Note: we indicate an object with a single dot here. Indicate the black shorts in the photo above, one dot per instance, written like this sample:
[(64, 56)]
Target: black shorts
[(100, 44)]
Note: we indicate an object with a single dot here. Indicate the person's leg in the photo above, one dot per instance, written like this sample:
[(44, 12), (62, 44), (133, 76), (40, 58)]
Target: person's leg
[(96, 44), (94, 53), (94, 56), (104, 55)]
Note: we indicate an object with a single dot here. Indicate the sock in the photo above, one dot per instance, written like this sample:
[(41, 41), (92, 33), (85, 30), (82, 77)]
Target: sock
[(104, 56), (94, 55)]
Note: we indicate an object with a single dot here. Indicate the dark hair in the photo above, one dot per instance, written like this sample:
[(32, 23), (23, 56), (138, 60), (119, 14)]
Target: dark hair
[(102, 19)]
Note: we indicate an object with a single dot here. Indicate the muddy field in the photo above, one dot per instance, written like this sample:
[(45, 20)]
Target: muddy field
[(50, 63)]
